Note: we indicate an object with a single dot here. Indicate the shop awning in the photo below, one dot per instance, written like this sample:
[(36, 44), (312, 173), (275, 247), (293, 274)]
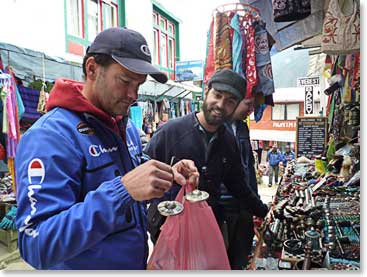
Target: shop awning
[(273, 135), (152, 89), (29, 65)]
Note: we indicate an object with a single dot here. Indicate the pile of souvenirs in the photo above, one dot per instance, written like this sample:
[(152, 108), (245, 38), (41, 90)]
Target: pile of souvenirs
[(314, 222)]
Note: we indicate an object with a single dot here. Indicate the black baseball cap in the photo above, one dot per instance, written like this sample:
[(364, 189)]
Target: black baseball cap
[(129, 48), (226, 80)]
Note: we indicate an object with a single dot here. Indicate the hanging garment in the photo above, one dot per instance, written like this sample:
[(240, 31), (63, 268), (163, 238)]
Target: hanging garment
[(30, 99), (3, 92), (263, 62), (222, 42), (209, 61), (341, 28), (290, 10), (250, 70), (136, 116), (237, 46)]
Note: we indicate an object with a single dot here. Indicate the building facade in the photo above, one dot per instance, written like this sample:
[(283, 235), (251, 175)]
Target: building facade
[(65, 28)]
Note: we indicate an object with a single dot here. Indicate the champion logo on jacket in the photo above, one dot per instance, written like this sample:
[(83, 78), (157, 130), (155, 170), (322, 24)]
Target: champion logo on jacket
[(97, 150)]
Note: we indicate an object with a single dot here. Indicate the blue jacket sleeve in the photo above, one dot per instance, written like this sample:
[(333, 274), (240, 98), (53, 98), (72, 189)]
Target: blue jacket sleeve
[(54, 224)]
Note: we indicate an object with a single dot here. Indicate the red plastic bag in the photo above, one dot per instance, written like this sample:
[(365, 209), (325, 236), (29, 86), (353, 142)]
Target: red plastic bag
[(190, 240)]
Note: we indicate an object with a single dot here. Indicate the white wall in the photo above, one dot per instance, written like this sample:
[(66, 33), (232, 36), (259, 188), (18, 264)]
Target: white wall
[(139, 17), (39, 24), (34, 24)]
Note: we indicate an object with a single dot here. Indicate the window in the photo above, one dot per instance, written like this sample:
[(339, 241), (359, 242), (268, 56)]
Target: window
[(171, 54), (156, 47), (164, 42), (316, 108), (278, 112), (285, 111), (162, 23), (92, 19), (171, 29), (74, 18), (292, 111), (163, 49), (109, 15)]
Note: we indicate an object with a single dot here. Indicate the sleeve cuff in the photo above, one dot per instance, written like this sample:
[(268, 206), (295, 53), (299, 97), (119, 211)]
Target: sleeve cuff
[(119, 191)]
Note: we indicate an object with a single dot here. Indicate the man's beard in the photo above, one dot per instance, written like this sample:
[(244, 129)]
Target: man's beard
[(211, 120)]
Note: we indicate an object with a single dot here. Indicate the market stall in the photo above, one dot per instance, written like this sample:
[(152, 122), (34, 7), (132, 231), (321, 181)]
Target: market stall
[(314, 221)]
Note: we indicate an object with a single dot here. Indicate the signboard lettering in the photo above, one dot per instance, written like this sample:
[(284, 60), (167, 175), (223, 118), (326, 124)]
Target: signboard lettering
[(308, 100), (308, 81), (311, 136)]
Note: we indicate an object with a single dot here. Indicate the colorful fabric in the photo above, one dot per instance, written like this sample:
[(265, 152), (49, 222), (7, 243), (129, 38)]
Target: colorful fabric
[(251, 73), (340, 32), (30, 99), (209, 67), (237, 46), (222, 42), (263, 62)]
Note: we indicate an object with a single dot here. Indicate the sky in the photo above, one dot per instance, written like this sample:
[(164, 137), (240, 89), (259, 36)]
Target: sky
[(196, 17)]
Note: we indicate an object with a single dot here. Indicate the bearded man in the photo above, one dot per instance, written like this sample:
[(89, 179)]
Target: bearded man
[(203, 138)]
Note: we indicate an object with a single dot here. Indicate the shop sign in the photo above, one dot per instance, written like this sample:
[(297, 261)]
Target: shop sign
[(311, 136), (308, 81), (284, 124), (189, 70), (308, 100)]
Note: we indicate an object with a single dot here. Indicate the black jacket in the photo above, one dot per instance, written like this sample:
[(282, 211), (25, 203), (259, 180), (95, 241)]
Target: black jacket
[(218, 161), (243, 139)]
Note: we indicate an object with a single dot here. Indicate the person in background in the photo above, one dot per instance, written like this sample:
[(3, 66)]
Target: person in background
[(81, 180), (238, 219), (203, 138), (147, 127), (274, 158), (288, 155)]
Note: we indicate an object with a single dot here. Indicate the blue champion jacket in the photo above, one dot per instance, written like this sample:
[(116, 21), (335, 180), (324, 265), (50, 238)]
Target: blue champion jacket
[(73, 210)]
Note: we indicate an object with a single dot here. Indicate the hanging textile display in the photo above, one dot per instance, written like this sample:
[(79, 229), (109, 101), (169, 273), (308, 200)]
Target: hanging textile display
[(237, 39), (341, 28), (290, 10), (222, 42), (10, 118)]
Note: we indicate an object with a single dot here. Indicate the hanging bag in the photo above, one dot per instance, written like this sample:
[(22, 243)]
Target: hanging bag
[(341, 28), (190, 240), (290, 10)]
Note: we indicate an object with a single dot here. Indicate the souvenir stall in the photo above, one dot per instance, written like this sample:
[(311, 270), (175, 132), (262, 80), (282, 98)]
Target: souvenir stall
[(314, 221), (238, 40), (158, 103), (12, 110)]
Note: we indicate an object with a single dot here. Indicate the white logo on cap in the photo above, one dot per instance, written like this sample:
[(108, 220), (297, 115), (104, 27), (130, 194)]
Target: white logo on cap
[(144, 48)]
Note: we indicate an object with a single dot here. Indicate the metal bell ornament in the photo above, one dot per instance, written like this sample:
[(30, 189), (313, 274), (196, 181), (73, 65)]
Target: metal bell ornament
[(168, 208), (196, 196)]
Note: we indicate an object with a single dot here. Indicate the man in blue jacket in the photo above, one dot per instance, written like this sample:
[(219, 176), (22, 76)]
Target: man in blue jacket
[(288, 155), (81, 184), (274, 158), (203, 138)]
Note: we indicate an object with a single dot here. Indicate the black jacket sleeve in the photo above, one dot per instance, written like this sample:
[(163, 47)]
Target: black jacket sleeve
[(238, 187)]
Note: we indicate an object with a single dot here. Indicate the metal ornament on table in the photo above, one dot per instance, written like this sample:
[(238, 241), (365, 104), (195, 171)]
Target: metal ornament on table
[(169, 208), (196, 196)]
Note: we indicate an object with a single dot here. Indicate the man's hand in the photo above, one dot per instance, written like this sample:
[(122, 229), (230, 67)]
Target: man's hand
[(149, 180), (153, 178), (186, 169)]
